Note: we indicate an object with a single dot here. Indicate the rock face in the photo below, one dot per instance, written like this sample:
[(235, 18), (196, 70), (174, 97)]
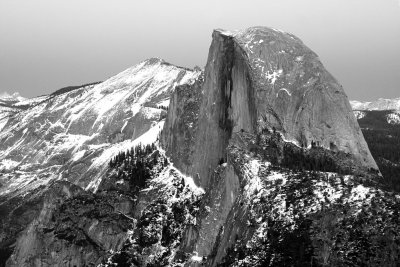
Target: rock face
[(263, 78), (257, 82)]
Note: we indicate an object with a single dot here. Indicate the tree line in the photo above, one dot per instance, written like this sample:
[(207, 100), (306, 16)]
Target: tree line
[(136, 164)]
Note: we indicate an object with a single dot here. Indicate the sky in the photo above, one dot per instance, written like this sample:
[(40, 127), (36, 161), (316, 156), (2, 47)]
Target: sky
[(49, 44)]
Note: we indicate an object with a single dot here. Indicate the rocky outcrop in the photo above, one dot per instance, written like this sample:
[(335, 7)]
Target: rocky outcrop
[(181, 127)]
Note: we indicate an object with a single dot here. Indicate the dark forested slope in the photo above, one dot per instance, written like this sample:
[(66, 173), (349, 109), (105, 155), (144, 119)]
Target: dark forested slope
[(383, 139)]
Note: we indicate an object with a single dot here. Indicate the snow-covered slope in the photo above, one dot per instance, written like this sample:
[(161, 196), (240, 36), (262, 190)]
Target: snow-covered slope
[(380, 104), (73, 135)]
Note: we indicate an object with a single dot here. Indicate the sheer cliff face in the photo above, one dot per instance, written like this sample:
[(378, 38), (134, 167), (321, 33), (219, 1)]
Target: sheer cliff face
[(263, 78)]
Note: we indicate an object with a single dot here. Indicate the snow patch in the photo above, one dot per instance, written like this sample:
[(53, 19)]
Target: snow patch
[(278, 30), (359, 114), (79, 155), (8, 164), (196, 258), (166, 178), (123, 127), (393, 118), (284, 90), (273, 76), (164, 103)]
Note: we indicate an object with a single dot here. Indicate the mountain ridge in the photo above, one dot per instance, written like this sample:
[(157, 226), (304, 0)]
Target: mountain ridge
[(380, 104)]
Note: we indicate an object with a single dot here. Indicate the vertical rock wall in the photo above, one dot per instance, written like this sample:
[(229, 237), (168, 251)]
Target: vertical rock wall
[(256, 79), (264, 78), (228, 105)]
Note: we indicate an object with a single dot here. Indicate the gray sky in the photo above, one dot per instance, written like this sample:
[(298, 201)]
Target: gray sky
[(49, 44)]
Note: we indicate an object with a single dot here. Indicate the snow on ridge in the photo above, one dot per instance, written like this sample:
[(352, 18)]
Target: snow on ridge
[(228, 32), (135, 86), (147, 80), (251, 174), (71, 125), (8, 164)]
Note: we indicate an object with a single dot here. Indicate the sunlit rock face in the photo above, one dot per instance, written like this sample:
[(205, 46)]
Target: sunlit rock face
[(380, 104), (255, 80), (294, 93), (263, 78)]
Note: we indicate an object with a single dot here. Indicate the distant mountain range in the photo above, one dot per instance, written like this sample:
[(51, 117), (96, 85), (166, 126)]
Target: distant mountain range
[(380, 104), (388, 109)]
